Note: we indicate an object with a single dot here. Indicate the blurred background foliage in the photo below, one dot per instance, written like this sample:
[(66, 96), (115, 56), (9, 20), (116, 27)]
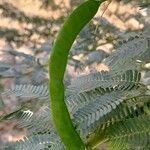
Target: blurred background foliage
[(29, 27)]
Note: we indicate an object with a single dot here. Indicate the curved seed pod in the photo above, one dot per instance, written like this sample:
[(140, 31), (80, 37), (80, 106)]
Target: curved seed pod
[(57, 65)]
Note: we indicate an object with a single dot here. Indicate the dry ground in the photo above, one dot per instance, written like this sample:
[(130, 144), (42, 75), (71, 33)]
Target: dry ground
[(25, 36)]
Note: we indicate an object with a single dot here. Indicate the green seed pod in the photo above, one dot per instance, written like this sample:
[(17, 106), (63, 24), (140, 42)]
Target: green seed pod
[(57, 65)]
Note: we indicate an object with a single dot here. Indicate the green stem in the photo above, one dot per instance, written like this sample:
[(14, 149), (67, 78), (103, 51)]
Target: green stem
[(57, 65)]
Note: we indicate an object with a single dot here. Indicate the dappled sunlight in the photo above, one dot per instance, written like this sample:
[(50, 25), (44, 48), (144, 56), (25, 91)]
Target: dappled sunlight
[(27, 33)]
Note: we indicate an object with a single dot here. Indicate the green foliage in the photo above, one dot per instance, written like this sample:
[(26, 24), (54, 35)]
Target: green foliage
[(110, 107)]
